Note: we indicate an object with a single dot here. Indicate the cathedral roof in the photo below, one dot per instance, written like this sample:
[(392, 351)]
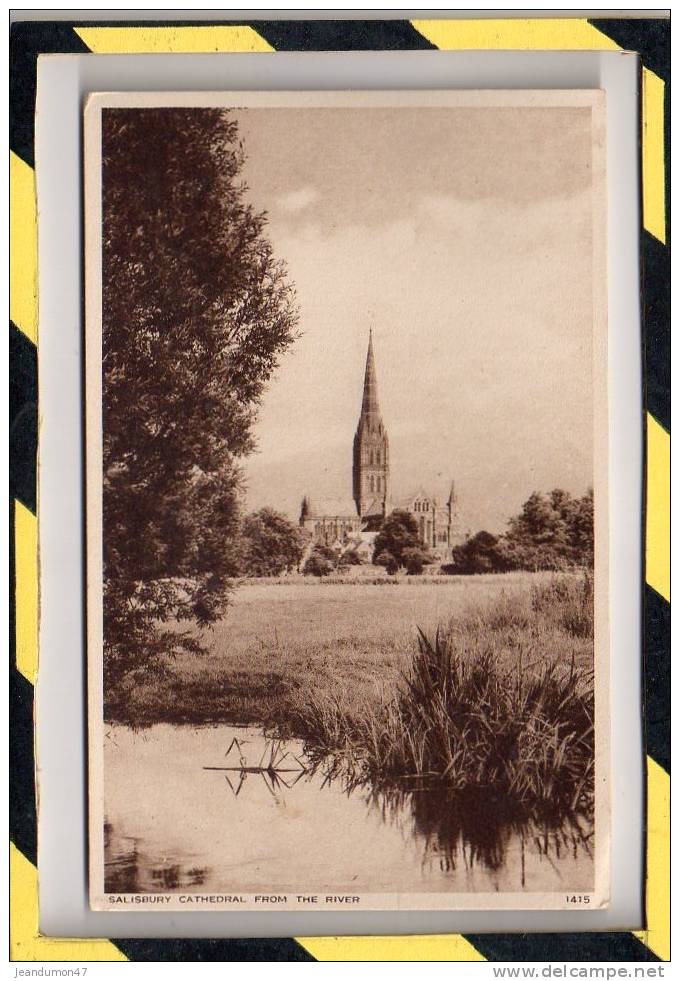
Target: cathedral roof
[(418, 495), (330, 508)]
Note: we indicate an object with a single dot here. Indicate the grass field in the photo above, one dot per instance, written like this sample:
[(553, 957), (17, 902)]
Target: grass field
[(281, 641)]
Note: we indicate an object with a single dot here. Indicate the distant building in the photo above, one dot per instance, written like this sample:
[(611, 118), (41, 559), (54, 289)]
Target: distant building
[(439, 524), (352, 524)]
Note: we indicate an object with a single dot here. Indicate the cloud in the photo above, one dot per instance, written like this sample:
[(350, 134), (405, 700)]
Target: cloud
[(298, 200)]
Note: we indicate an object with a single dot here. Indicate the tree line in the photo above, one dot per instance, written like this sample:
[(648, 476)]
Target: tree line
[(552, 531)]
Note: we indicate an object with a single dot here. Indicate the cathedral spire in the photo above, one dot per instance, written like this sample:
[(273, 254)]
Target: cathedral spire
[(371, 468), (370, 399)]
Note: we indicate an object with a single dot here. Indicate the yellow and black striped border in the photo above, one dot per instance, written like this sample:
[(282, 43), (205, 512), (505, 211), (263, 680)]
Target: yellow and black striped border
[(649, 37)]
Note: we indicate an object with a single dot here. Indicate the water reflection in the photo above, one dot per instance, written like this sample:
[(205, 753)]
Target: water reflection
[(472, 828), (274, 766), (464, 827), (217, 809), (129, 869)]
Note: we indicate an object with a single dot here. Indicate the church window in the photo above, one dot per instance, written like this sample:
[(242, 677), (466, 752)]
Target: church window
[(372, 484), (377, 457)]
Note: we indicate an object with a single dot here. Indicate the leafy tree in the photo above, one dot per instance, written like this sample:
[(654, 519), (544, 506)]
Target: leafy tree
[(399, 531), (481, 553), (551, 532), (538, 522), (582, 528), (271, 544), (196, 312)]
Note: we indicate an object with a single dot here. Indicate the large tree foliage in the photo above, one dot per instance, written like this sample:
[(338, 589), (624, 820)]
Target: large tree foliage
[(482, 552), (196, 312), (271, 544), (399, 532), (552, 531)]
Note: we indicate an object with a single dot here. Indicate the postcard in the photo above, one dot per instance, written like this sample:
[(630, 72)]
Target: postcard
[(347, 529)]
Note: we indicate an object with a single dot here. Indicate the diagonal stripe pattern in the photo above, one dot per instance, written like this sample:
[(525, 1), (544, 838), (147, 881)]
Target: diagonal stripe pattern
[(653, 162), (443, 947), (171, 40), (658, 518), (26, 571), (23, 251), (657, 935), (515, 34)]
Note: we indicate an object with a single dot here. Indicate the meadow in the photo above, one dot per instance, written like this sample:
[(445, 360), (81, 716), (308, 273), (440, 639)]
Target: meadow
[(284, 640)]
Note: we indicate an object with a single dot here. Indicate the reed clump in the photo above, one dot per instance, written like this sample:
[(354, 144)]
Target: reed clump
[(492, 702)]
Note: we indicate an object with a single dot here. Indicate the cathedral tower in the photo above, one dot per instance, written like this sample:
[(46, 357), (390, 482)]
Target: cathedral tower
[(371, 470)]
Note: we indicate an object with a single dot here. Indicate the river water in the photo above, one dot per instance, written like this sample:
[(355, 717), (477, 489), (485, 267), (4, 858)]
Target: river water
[(181, 815)]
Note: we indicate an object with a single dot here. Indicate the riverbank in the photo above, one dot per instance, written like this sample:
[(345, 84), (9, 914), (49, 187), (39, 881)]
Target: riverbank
[(281, 641)]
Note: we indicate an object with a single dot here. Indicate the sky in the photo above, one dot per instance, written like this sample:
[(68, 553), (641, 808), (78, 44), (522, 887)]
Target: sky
[(463, 238)]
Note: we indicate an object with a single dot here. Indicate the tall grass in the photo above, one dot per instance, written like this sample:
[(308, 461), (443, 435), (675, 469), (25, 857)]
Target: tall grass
[(484, 704), (567, 603)]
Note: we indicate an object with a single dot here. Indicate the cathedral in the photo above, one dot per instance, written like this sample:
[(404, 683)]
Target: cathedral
[(346, 524)]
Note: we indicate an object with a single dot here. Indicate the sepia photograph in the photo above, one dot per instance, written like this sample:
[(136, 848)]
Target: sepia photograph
[(347, 526)]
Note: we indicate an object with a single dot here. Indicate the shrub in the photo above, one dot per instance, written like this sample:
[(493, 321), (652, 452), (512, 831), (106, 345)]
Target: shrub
[(415, 560), (326, 552), (387, 560), (321, 561), (482, 553), (350, 557)]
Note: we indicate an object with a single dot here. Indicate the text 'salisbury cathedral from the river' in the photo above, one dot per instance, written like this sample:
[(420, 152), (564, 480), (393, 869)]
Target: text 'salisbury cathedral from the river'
[(343, 524)]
